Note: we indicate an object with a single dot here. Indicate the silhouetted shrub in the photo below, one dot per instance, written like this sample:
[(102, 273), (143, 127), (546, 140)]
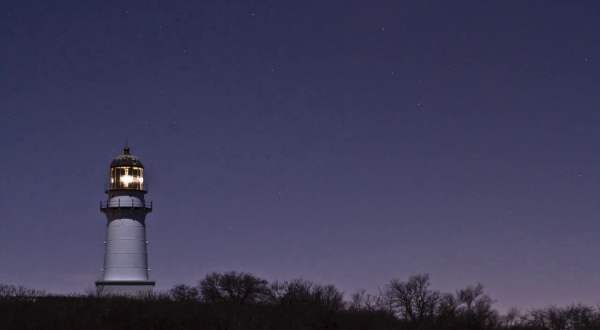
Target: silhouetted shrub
[(11, 292)]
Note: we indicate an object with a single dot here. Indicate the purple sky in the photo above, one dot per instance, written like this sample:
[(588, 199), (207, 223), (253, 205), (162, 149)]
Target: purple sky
[(344, 142)]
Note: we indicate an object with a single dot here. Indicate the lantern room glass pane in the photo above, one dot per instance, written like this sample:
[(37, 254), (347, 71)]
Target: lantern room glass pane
[(127, 177)]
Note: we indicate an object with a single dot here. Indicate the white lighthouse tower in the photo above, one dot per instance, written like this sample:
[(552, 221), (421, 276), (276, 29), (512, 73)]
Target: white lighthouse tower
[(125, 268)]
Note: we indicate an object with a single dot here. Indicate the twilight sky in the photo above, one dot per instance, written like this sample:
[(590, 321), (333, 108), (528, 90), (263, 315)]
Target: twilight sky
[(344, 142)]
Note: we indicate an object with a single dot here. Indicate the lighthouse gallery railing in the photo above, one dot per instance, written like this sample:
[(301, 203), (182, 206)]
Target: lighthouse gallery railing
[(125, 204)]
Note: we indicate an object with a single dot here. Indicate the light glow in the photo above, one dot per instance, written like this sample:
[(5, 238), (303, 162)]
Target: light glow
[(126, 179)]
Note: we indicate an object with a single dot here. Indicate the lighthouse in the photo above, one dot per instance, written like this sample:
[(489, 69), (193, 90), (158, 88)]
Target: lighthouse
[(125, 270)]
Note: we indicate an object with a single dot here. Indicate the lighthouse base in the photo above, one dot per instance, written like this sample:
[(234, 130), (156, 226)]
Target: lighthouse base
[(124, 288)]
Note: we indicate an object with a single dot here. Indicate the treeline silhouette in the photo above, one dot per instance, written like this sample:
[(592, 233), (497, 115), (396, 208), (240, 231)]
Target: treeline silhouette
[(239, 301)]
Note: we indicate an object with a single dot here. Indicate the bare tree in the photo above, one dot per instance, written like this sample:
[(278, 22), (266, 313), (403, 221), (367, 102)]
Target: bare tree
[(184, 292), (304, 292), (551, 318), (469, 295), (413, 300), (241, 288), (511, 318), (582, 317), (576, 317), (476, 307), (447, 307), (361, 300)]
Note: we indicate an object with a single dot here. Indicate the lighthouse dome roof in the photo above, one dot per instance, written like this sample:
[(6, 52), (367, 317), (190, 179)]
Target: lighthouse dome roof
[(126, 159)]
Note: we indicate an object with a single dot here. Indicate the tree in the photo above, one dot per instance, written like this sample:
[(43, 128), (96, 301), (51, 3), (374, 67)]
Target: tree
[(576, 317), (361, 301), (447, 308), (413, 301), (307, 293), (184, 292), (475, 307), (233, 287)]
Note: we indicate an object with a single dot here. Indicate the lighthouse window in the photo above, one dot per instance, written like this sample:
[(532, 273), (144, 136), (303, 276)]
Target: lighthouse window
[(127, 177)]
